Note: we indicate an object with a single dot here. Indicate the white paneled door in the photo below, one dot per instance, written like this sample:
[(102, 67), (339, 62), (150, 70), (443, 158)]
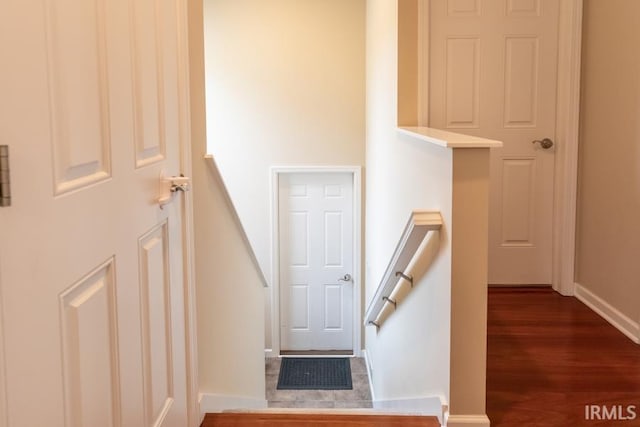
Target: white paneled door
[(493, 73), (316, 261), (91, 274)]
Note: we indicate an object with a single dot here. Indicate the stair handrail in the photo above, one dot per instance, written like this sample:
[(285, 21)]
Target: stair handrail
[(419, 224)]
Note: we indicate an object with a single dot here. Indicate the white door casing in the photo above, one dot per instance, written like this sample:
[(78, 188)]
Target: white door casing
[(93, 308), (4, 421), (318, 223), (493, 73)]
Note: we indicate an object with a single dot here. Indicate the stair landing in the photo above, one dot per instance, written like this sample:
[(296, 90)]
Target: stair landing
[(315, 420), (357, 398)]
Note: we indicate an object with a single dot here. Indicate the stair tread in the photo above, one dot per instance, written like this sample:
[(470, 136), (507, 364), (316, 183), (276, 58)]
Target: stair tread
[(238, 419)]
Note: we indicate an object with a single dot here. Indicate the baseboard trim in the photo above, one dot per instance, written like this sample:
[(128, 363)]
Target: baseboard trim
[(612, 315), (268, 352), (432, 405), (468, 421), (367, 362), (211, 403)]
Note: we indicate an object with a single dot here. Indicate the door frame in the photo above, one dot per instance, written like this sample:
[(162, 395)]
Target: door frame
[(194, 417), (566, 136), (4, 416), (356, 172)]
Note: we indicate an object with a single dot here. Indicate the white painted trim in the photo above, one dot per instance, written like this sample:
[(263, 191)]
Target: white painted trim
[(620, 321), (431, 405), (357, 262), (444, 138), (567, 137), (212, 403), (367, 363), (215, 170), (468, 421), (356, 172), (316, 411), (567, 141), (424, 61), (4, 416), (191, 345), (275, 265)]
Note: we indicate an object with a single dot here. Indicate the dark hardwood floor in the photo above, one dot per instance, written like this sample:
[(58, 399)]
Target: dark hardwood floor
[(550, 358), (315, 420)]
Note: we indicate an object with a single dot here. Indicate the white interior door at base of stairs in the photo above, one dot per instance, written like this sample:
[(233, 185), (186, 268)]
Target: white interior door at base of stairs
[(316, 261)]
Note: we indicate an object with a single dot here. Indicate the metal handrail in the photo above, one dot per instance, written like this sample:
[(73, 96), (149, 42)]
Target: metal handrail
[(419, 224)]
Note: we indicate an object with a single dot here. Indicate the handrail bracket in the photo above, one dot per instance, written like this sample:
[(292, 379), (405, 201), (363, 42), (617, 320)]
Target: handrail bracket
[(390, 301), (406, 277)]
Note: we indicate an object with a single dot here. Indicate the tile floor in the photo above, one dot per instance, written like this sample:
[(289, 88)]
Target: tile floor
[(359, 397)]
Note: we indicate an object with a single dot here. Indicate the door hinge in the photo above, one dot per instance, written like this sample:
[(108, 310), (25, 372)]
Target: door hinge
[(5, 183)]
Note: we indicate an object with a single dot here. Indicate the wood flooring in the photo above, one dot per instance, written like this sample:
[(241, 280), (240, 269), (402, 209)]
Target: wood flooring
[(553, 362), (315, 420)]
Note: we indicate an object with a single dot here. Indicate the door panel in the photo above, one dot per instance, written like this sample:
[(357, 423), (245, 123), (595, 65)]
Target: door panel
[(89, 349), (333, 239), (463, 82), (463, 8), (518, 202), (333, 318), (156, 323), (523, 8), (316, 249), (77, 86), (493, 71), (92, 278), (301, 307), (147, 68), (521, 81)]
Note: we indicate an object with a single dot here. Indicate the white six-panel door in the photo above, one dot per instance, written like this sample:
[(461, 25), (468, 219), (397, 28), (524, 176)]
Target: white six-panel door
[(316, 261), (493, 73), (91, 273)]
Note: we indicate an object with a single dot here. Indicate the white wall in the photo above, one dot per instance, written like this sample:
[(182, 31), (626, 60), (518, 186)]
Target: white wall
[(608, 230), (229, 292), (403, 174), (285, 86), (229, 289)]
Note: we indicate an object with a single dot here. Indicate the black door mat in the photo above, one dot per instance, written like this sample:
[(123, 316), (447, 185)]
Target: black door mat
[(315, 373)]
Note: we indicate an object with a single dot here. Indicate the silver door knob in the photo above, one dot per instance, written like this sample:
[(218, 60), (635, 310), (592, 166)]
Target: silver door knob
[(345, 278), (544, 143)]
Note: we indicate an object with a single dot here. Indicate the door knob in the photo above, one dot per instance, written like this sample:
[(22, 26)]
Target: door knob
[(545, 143), (345, 278)]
